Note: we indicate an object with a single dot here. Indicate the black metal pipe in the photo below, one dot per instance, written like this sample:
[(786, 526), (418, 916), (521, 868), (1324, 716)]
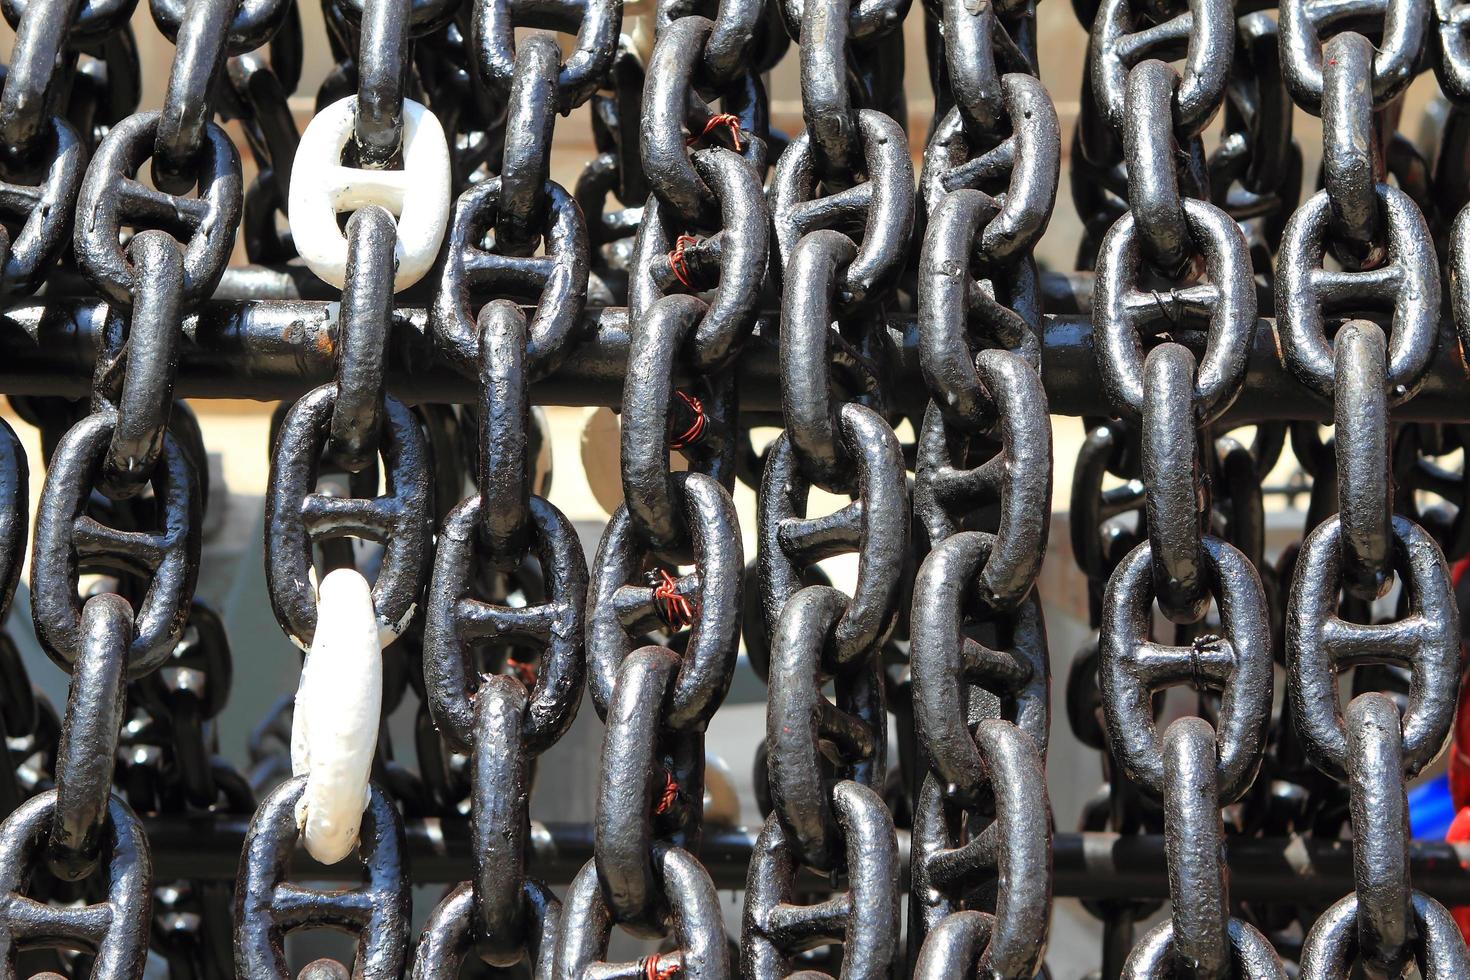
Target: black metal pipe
[(278, 349), (1286, 870), (1062, 292), (1262, 869)]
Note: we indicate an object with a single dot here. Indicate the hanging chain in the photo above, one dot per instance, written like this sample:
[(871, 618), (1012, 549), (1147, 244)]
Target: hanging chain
[(419, 283)]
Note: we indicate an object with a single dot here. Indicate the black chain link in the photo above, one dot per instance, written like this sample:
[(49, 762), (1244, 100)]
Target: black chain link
[(709, 275)]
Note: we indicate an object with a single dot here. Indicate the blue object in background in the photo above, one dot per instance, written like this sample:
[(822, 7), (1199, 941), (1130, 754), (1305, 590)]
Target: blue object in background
[(1431, 809)]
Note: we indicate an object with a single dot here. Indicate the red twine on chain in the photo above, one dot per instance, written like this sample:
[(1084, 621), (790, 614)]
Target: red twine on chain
[(674, 608), (652, 971), (696, 428), (678, 262), (525, 671), (715, 122), (671, 793)]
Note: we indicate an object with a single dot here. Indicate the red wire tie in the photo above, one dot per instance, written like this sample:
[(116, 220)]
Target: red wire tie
[(652, 971), (673, 607), (715, 122), (678, 262), (671, 792), (525, 671), (696, 428)]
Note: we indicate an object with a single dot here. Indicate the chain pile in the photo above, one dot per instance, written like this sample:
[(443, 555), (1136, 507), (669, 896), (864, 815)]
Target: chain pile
[(708, 275)]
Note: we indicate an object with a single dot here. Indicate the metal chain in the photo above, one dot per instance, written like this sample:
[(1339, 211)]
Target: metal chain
[(418, 284)]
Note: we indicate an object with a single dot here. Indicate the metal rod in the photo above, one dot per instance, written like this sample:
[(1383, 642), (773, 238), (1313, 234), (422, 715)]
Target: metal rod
[(1096, 865), (282, 348)]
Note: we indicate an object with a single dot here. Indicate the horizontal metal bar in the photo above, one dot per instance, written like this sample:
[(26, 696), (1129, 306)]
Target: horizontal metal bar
[(272, 350), (1095, 865), (1262, 869), (1062, 292)]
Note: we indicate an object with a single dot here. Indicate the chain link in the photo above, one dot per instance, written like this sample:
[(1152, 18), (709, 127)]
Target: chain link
[(709, 275)]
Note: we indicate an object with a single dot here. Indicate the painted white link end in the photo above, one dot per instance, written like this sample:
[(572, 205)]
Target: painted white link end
[(334, 731), (322, 188)]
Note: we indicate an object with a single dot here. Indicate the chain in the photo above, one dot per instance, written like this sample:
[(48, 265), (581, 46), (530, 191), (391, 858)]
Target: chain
[(418, 283)]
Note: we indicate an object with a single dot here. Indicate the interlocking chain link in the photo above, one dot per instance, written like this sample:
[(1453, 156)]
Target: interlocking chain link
[(418, 284)]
